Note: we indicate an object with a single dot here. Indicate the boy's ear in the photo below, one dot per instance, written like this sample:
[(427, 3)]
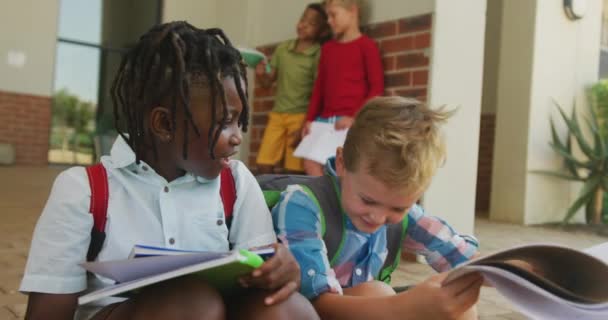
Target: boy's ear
[(160, 123), (340, 162)]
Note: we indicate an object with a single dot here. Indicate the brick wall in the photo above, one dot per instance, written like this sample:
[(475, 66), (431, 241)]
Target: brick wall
[(25, 123), (404, 45), (484, 162)]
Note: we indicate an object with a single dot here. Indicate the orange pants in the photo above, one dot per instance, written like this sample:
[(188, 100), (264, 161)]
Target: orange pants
[(279, 136)]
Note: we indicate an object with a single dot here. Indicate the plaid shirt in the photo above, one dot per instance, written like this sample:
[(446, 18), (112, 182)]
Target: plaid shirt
[(298, 225)]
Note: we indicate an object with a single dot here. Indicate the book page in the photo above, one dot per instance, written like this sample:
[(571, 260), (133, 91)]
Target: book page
[(320, 142), (537, 303), (599, 251), (130, 269)]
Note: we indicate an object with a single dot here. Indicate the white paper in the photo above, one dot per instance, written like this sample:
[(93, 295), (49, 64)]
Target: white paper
[(321, 143), (130, 269), (599, 251), (537, 303)]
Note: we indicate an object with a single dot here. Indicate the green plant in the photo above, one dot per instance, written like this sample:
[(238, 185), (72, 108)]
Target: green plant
[(592, 171)]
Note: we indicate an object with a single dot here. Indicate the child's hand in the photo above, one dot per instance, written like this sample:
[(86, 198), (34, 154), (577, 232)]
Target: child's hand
[(281, 274), (260, 69), (344, 123), (434, 301), (306, 128), (296, 137)]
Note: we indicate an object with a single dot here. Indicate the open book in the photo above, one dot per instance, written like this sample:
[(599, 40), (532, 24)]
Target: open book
[(547, 281), (149, 265)]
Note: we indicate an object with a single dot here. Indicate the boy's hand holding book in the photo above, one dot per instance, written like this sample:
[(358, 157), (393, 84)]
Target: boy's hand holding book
[(281, 274), (432, 300)]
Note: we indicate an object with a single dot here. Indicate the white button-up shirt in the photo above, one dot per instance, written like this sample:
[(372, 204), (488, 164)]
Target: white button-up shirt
[(143, 208)]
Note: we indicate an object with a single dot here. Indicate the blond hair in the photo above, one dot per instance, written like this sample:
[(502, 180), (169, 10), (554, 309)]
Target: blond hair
[(363, 5), (398, 141)]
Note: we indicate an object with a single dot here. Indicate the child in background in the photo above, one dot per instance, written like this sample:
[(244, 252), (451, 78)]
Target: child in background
[(294, 67), (390, 155), (350, 73), (180, 95)]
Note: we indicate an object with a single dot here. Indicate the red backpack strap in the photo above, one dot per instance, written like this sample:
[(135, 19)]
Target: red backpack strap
[(228, 194), (98, 181)]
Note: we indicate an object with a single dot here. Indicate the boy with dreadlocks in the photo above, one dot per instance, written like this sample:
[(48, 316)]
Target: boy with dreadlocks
[(180, 105)]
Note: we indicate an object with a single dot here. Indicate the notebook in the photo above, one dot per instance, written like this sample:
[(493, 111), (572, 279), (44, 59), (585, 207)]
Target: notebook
[(149, 265), (553, 282)]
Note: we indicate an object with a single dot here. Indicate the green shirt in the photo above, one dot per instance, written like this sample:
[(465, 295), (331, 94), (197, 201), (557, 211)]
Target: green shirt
[(296, 73)]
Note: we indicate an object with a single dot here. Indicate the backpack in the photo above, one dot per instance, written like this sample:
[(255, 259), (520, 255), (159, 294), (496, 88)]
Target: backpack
[(98, 207), (324, 192)]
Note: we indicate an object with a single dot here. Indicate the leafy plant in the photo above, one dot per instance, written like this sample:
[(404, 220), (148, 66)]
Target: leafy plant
[(592, 171)]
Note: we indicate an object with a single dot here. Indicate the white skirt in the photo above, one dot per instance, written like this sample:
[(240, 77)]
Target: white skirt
[(321, 142)]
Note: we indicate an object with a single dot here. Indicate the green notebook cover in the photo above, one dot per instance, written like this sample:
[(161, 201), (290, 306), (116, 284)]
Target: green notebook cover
[(221, 270)]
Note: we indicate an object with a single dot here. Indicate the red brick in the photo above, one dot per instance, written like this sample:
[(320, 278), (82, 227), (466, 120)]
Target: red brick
[(254, 146), (251, 161), (419, 23), (262, 105), (26, 120), (420, 78), (396, 44), (389, 63), (259, 119), (422, 41), (412, 60), (380, 30), (262, 92), (419, 94), (400, 79)]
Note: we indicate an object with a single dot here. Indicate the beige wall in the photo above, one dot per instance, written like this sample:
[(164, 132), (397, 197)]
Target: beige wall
[(456, 81), (491, 56), (201, 13), (29, 28), (544, 57)]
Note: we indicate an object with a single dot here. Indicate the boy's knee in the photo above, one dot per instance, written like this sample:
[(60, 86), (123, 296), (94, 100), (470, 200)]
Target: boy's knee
[(251, 306), (184, 298), (372, 288)]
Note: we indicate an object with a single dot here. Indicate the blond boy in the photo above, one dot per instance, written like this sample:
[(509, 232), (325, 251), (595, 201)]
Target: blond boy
[(391, 153)]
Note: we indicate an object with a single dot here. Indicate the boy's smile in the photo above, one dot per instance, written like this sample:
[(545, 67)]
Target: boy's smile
[(369, 202)]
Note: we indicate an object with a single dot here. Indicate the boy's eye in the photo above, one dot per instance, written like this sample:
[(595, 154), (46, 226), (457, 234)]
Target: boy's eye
[(368, 201)]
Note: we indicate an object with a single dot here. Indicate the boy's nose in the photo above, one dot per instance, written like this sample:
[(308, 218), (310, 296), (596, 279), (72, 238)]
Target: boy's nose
[(236, 138)]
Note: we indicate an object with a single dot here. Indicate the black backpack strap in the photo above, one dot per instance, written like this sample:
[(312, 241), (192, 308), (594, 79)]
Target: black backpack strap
[(325, 190), (395, 234)]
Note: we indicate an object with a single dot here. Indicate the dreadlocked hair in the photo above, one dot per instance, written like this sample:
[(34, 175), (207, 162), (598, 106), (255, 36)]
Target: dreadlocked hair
[(161, 67)]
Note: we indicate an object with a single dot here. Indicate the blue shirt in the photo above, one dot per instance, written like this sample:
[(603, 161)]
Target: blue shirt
[(298, 224)]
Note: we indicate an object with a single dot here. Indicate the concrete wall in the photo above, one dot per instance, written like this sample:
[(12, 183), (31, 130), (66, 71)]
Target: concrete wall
[(199, 13), (28, 39), (544, 57), (456, 81)]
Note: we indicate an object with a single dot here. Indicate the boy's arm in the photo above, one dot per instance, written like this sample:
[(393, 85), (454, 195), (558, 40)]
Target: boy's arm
[(61, 238), (316, 98), (373, 70), (433, 238), (299, 225), (252, 223), (51, 306), (266, 78), (428, 300)]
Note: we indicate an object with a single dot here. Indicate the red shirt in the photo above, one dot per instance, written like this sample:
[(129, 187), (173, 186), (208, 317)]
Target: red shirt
[(349, 74)]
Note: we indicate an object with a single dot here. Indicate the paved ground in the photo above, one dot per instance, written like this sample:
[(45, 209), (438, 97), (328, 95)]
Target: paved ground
[(24, 190)]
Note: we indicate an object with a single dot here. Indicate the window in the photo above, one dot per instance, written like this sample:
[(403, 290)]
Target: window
[(92, 36)]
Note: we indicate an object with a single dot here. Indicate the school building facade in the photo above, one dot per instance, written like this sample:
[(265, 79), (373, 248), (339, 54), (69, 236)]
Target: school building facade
[(502, 63)]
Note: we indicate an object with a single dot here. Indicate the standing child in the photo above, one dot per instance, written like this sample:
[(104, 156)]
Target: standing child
[(389, 158), (350, 73), (294, 67), (180, 97)]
